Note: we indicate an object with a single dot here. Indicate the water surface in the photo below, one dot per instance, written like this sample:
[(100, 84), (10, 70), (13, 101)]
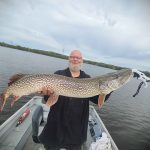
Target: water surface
[(126, 118)]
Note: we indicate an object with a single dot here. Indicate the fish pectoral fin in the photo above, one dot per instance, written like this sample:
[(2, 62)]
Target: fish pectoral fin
[(101, 100), (15, 98), (52, 99)]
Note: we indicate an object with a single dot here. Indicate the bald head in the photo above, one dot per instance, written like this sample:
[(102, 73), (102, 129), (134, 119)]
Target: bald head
[(76, 53)]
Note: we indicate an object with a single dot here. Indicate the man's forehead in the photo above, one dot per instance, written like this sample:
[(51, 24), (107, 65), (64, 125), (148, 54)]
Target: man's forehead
[(76, 53)]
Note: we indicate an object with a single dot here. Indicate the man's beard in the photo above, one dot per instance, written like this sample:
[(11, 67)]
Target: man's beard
[(75, 68)]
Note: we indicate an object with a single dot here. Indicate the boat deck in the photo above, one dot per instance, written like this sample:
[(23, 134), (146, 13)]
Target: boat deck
[(31, 145), (20, 137), (34, 146)]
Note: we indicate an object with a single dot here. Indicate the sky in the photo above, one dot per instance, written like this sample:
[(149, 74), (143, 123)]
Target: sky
[(110, 31)]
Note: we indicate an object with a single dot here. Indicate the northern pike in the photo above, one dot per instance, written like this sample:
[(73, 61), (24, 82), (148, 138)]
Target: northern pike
[(67, 86)]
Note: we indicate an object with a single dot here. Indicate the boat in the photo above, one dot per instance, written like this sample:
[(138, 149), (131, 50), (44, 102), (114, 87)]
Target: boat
[(16, 131)]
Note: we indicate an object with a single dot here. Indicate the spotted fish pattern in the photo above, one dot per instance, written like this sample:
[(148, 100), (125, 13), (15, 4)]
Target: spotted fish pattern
[(67, 86)]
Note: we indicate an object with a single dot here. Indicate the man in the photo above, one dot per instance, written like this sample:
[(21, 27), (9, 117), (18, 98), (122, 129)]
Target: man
[(67, 121)]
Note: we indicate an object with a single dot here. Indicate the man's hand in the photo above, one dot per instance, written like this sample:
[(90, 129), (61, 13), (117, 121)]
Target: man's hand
[(101, 100), (47, 91), (52, 96)]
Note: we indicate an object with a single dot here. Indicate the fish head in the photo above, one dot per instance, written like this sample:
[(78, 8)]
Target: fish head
[(115, 80), (123, 76)]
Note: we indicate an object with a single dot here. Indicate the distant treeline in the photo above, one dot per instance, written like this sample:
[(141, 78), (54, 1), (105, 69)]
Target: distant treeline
[(53, 54), (48, 53)]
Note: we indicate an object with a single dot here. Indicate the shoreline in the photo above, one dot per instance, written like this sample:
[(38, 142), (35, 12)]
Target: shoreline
[(57, 55)]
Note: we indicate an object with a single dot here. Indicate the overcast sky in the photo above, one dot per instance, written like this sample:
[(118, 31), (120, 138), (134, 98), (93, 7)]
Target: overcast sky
[(110, 31)]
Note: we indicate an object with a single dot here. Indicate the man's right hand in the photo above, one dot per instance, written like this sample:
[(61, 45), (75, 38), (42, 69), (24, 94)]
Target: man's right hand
[(52, 96), (47, 91)]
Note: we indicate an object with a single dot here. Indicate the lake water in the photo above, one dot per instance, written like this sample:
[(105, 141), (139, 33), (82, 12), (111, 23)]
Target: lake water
[(126, 118)]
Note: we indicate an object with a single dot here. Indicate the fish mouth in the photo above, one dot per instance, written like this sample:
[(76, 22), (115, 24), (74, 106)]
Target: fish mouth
[(115, 80), (124, 76)]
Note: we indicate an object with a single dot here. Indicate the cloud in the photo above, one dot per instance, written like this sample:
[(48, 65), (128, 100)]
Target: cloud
[(102, 29)]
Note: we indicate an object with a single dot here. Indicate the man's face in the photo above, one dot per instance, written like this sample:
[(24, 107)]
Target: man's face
[(75, 61)]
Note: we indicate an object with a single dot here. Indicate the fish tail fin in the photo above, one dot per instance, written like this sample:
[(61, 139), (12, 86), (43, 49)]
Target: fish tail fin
[(3, 98), (2, 101)]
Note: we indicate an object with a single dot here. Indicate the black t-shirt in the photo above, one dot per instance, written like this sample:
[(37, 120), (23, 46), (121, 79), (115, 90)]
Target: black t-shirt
[(67, 121)]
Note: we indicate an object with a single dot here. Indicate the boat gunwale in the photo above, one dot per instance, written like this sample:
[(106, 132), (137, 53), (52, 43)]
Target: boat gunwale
[(105, 129), (5, 126)]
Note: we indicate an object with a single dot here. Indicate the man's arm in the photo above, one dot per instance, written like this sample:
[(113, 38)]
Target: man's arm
[(49, 95)]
